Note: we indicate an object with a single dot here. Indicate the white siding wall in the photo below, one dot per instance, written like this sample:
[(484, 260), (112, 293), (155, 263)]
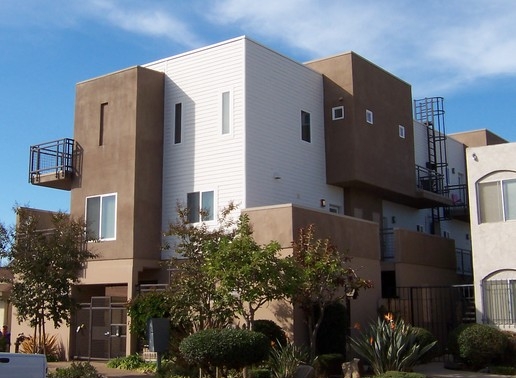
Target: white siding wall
[(277, 90), (205, 160)]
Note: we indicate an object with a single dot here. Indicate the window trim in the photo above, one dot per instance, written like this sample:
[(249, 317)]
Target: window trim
[(335, 109), (99, 230), (198, 217), (401, 131), (369, 116), (306, 127), (502, 198), (226, 108), (178, 123)]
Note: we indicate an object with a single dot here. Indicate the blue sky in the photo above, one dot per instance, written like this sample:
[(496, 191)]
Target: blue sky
[(462, 50)]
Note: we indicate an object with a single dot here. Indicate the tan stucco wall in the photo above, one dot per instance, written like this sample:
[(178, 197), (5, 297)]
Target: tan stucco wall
[(492, 243), (478, 138)]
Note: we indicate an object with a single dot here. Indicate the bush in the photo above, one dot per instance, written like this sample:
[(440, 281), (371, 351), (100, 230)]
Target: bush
[(285, 359), (481, 344), (509, 357), (425, 337), (224, 348), (270, 329), (53, 349), (390, 345), (260, 373), (132, 362), (76, 370), (453, 340), (329, 364)]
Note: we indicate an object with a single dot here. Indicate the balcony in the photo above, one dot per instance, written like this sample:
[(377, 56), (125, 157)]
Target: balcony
[(51, 164)]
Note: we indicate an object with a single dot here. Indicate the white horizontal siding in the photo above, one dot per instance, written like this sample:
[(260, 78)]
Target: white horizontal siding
[(205, 159), (277, 90)]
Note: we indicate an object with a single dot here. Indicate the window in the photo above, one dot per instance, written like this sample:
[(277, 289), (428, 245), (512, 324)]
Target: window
[(334, 209), (177, 123), (305, 127), (200, 206), (420, 228), (497, 201), (401, 131), (101, 217), (499, 297), (369, 116), (103, 121), (226, 113), (337, 113)]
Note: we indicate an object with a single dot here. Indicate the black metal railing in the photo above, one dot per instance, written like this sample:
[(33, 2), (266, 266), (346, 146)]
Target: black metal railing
[(429, 180), (499, 302), (464, 262), (55, 157)]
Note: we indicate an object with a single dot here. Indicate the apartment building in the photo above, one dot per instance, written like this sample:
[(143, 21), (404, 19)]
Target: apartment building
[(338, 142), (492, 177)]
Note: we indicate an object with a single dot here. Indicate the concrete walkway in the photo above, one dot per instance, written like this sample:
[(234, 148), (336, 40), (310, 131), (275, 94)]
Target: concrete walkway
[(437, 370), (431, 370)]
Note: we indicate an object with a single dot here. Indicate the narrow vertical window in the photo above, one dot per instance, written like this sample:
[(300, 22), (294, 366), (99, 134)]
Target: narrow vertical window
[(369, 116), (226, 109), (177, 123), (401, 131), (102, 123), (490, 202), (193, 205), (305, 126)]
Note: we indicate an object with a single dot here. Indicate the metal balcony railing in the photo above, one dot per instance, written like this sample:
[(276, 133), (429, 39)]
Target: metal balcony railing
[(55, 157)]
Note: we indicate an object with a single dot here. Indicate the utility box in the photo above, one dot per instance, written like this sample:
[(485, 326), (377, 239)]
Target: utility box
[(158, 331)]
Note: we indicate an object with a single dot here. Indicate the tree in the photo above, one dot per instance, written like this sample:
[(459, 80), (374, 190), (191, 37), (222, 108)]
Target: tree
[(252, 274), (326, 277), (196, 300), (46, 263)]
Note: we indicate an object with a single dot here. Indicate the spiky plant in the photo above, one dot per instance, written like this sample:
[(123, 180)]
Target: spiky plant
[(52, 347), (390, 345), (285, 359)]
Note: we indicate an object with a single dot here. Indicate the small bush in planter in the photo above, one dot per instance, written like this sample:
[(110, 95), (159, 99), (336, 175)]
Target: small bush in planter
[(423, 338), (76, 370), (481, 344), (270, 329), (225, 349)]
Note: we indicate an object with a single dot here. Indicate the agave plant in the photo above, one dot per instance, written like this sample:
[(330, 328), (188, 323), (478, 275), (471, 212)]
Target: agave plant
[(51, 343), (390, 345), (285, 359)]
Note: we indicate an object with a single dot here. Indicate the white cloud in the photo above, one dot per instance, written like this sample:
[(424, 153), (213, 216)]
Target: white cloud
[(438, 45)]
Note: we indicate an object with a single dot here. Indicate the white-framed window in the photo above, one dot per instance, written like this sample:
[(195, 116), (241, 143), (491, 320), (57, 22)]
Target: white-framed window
[(337, 112), (201, 206), (226, 112), (101, 216), (334, 209), (401, 131), (178, 115), (496, 200), (369, 116), (305, 127)]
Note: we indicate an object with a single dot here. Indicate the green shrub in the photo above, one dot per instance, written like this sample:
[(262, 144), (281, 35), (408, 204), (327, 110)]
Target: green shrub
[(390, 345), (224, 348), (425, 337), (132, 362), (509, 356), (502, 370), (76, 370), (259, 373), (400, 374), (453, 340), (481, 344), (329, 364), (285, 359), (270, 329)]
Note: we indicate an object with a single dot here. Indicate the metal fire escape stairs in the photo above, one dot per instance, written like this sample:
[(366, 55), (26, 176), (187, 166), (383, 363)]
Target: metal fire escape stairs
[(430, 112)]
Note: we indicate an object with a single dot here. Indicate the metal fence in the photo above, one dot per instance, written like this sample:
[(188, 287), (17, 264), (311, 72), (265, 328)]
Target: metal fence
[(437, 309), (499, 299)]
